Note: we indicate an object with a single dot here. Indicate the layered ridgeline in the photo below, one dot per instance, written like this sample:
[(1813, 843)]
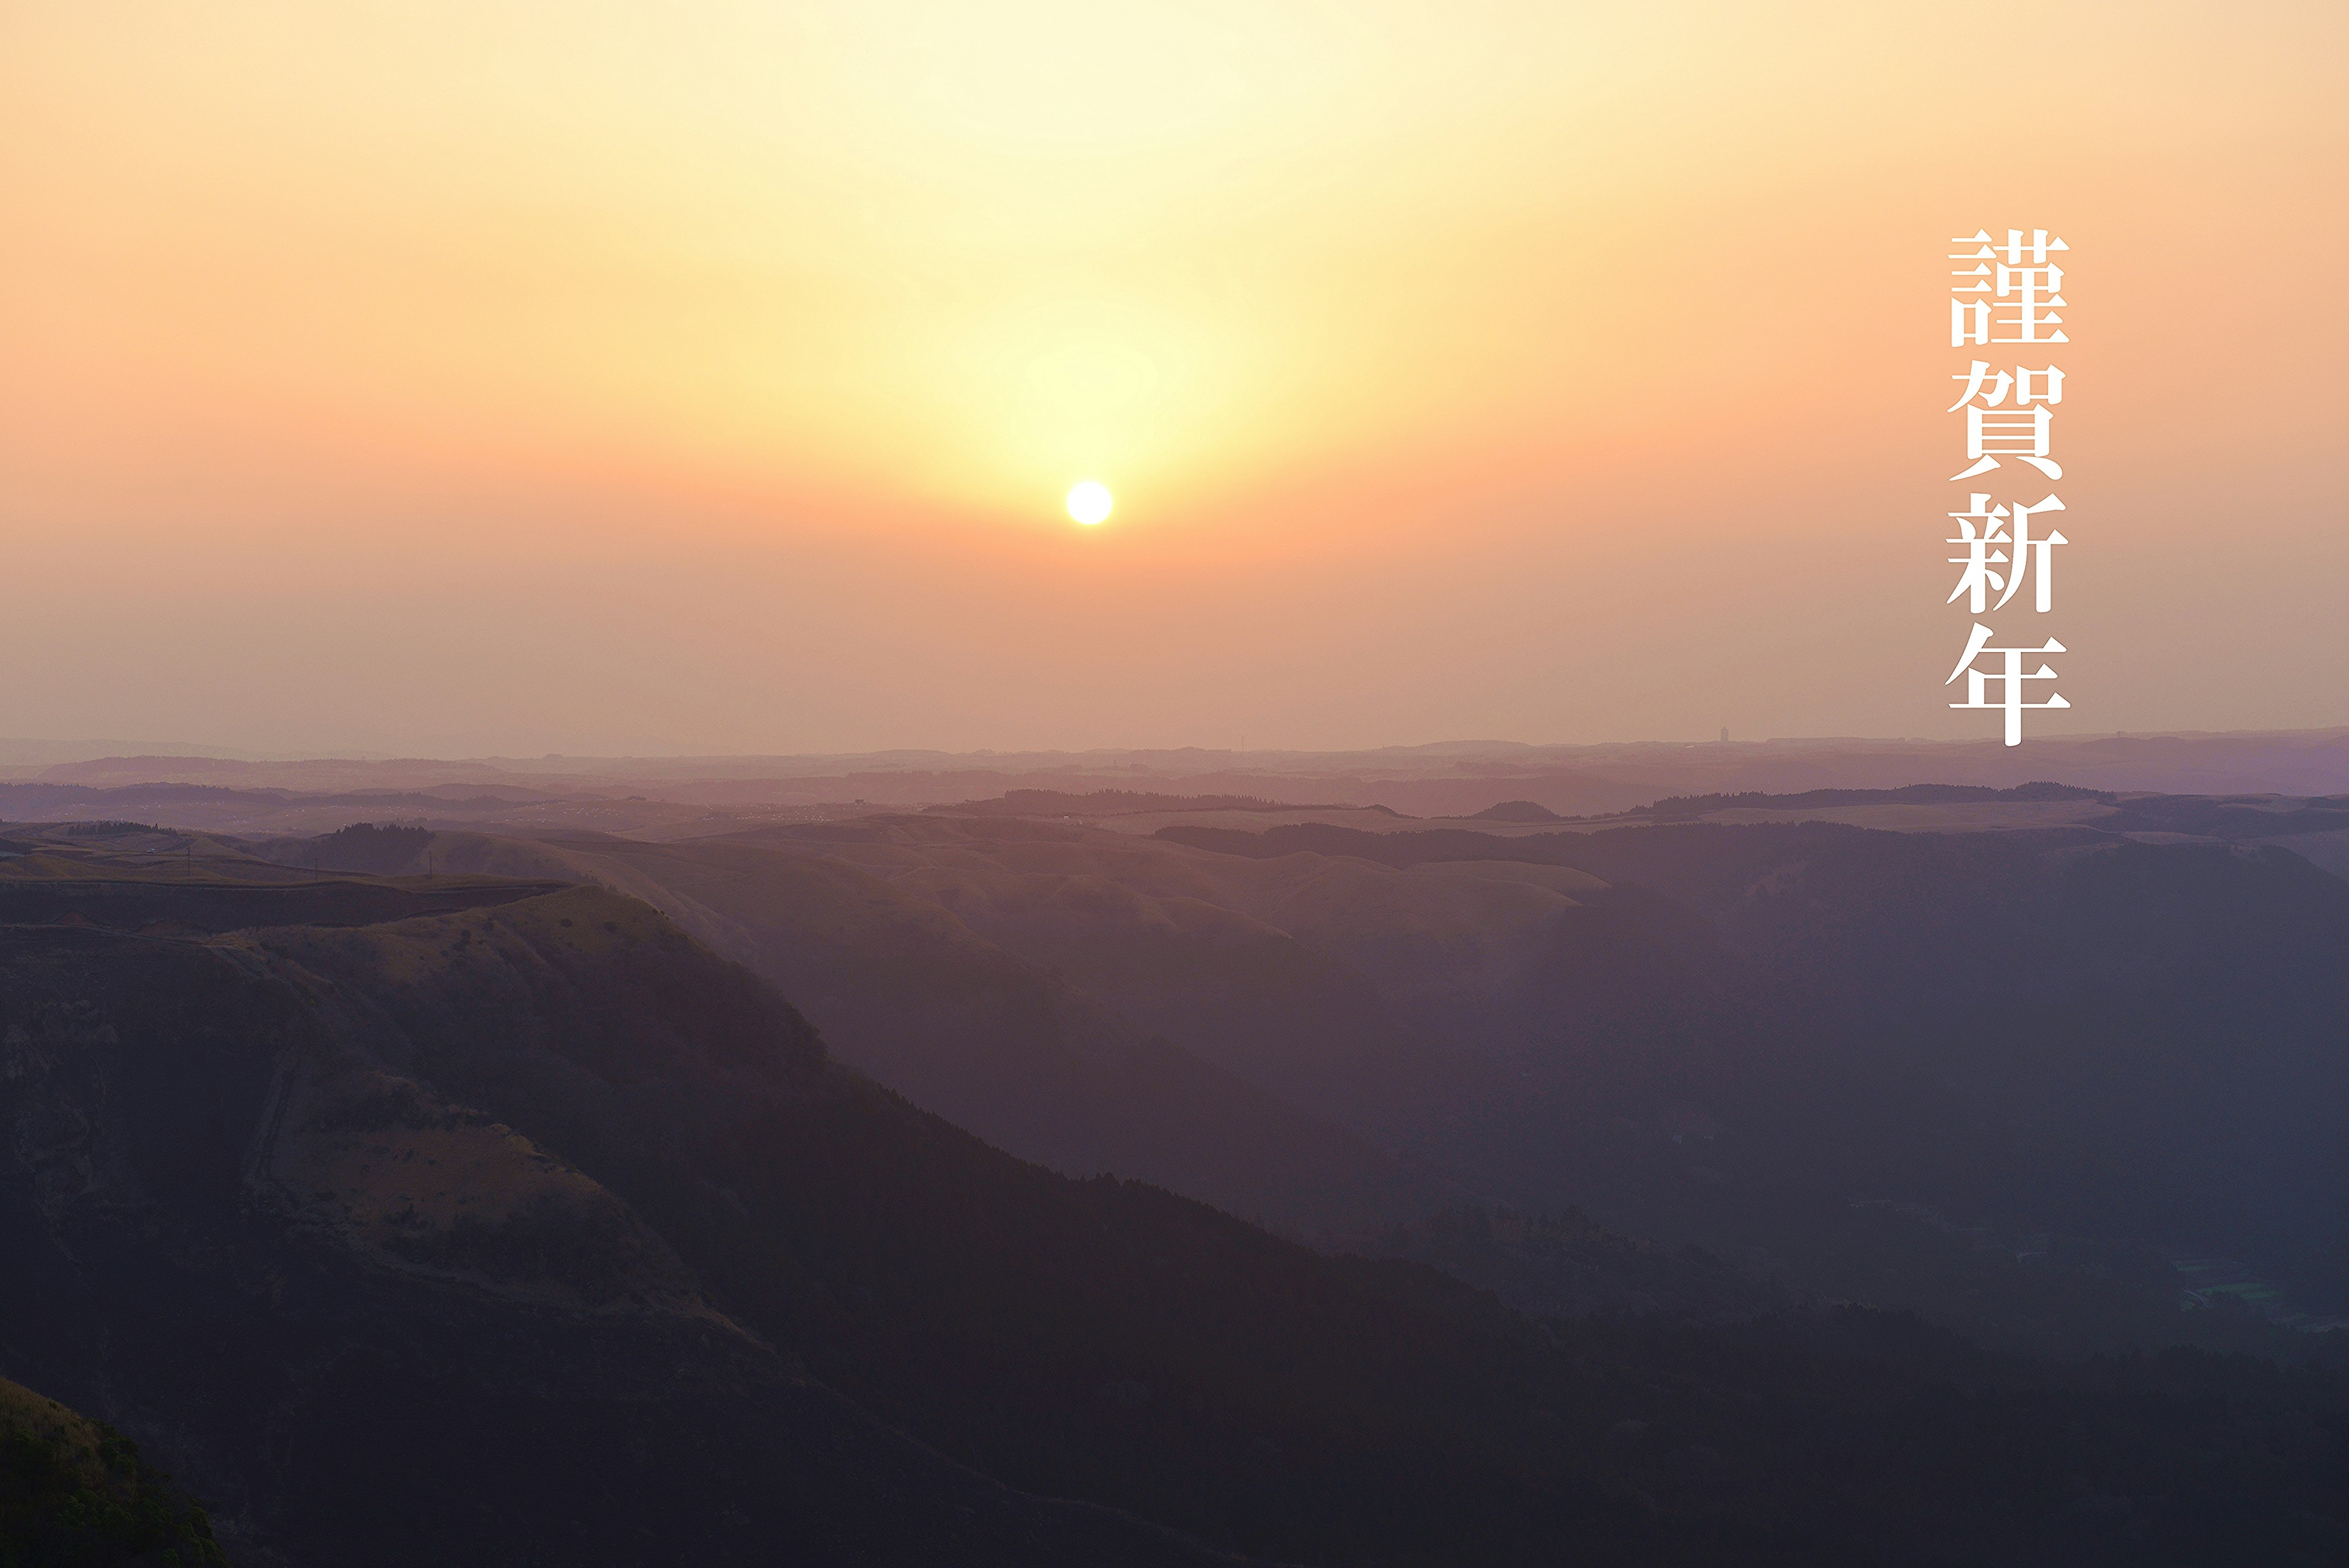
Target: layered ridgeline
[(472, 1220), (2034, 1078), (1014, 1042), (2104, 1045)]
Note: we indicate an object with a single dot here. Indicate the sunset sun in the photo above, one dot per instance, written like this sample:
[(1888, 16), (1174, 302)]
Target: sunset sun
[(1089, 502)]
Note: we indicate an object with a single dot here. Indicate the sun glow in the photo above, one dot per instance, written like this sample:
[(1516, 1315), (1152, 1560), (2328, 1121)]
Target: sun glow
[(1090, 503)]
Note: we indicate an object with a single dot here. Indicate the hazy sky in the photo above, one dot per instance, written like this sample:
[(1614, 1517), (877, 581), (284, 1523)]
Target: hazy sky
[(595, 376)]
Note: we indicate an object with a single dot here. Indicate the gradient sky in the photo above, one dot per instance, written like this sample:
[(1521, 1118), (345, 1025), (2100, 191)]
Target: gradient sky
[(505, 378)]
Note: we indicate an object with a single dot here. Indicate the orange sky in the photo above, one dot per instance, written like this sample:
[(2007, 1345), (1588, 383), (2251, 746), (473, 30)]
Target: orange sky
[(504, 377)]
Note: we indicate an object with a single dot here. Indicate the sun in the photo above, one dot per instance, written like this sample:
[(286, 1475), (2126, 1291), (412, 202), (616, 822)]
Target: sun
[(1089, 502)]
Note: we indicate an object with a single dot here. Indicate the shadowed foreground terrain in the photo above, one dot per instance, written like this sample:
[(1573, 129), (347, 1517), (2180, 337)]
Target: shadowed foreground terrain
[(76, 1494), (472, 1220)]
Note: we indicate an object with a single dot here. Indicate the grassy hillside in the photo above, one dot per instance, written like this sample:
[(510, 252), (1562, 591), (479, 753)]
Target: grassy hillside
[(76, 1494)]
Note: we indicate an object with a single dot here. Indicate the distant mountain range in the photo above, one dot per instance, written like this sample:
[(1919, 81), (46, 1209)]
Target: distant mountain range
[(1727, 1191), (1450, 780)]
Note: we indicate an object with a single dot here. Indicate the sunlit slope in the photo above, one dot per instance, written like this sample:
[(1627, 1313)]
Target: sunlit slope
[(376, 1323), (1015, 1047), (128, 877), (73, 1490)]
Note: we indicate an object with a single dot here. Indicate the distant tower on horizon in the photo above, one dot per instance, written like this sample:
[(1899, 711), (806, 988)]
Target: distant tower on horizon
[(1724, 734)]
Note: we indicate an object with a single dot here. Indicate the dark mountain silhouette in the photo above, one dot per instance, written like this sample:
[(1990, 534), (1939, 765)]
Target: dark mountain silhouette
[(1448, 779), (530, 1228), (1105, 802), (1517, 811), (1687, 807)]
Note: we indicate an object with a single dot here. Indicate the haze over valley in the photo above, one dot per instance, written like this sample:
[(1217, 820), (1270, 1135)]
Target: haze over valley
[(655, 1169), (885, 783)]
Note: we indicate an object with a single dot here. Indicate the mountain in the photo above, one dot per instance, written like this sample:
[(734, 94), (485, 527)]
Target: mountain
[(1516, 811), (1328, 980), (1453, 779), (1014, 1047), (245, 1235), (2130, 1031), (460, 1220), (1998, 1055)]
